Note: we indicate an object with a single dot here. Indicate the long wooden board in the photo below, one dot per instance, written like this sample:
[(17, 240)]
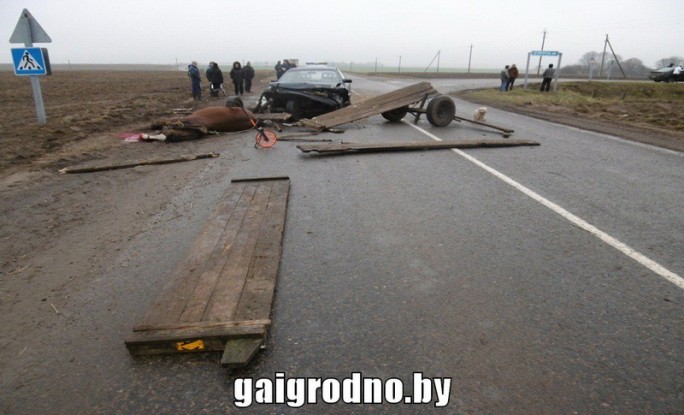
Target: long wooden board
[(342, 148), (373, 106), (220, 296)]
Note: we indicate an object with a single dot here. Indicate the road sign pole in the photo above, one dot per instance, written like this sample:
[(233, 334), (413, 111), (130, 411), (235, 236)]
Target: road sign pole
[(27, 31), (527, 70), (38, 98), (37, 92)]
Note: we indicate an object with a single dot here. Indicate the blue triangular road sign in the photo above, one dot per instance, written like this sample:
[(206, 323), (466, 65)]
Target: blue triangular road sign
[(29, 61)]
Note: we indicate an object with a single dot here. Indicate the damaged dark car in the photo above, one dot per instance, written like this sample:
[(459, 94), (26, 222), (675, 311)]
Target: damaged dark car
[(306, 92)]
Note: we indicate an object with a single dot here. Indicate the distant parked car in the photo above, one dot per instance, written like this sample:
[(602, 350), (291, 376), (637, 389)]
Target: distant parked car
[(306, 92), (665, 75)]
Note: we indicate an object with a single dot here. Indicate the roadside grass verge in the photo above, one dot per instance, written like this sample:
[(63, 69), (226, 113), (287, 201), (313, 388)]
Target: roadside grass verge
[(656, 105)]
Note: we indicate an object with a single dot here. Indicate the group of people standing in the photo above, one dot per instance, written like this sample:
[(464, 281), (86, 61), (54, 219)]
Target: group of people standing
[(510, 73), (241, 77), (281, 68), (508, 76)]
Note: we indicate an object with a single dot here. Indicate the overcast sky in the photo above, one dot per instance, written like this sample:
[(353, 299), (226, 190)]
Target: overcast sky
[(502, 31)]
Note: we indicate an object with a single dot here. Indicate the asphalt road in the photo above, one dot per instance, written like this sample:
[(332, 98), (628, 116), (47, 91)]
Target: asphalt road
[(422, 262)]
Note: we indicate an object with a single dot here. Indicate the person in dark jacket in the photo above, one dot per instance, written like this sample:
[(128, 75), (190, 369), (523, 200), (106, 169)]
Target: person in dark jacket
[(237, 76), (279, 70), (194, 74), (216, 79), (209, 71), (248, 73), (512, 76)]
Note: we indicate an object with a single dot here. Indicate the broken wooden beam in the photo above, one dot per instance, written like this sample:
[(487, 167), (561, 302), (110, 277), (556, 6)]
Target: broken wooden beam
[(373, 106), (341, 148), (105, 167), (276, 116), (484, 124)]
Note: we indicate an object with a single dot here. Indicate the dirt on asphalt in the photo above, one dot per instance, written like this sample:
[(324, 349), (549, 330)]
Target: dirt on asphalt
[(58, 233)]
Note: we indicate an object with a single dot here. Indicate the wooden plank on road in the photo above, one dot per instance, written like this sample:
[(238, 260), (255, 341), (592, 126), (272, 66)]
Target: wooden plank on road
[(348, 148), (223, 290)]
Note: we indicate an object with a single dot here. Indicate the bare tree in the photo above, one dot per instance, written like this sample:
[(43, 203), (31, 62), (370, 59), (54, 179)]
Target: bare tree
[(635, 68), (587, 57), (667, 61)]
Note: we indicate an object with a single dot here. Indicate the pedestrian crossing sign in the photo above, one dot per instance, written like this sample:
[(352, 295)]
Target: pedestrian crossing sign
[(30, 61)]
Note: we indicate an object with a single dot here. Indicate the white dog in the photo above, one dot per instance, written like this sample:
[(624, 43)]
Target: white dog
[(480, 114)]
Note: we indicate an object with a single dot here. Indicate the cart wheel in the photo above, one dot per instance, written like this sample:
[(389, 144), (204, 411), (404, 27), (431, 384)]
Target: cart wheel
[(396, 114), (441, 111), (266, 138)]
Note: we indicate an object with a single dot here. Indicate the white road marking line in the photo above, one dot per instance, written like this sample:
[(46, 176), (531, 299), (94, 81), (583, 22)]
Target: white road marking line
[(575, 220)]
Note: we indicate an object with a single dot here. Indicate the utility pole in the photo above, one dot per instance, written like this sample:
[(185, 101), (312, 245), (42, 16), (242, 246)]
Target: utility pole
[(542, 48), (603, 57), (433, 59), (399, 64), (470, 56), (615, 57)]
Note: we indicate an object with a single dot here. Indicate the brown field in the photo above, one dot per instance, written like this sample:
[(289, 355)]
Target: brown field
[(86, 110)]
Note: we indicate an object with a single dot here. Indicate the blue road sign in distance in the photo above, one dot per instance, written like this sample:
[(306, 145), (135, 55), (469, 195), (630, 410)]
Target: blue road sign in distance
[(544, 53)]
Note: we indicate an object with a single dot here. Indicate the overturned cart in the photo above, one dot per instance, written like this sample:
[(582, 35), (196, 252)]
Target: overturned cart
[(395, 105)]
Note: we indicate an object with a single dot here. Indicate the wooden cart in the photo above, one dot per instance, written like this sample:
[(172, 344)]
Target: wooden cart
[(394, 106)]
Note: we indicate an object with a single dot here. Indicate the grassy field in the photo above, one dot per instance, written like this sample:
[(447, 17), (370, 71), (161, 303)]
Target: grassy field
[(643, 104)]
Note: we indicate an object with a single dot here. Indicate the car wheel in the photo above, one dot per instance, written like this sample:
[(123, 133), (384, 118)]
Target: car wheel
[(441, 111), (292, 107), (396, 114)]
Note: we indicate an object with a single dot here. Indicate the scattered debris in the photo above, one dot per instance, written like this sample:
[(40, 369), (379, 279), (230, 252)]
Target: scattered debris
[(91, 169), (18, 270), (506, 131), (341, 148), (300, 137)]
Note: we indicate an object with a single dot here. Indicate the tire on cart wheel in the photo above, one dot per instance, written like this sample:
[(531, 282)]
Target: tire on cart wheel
[(441, 111), (396, 114)]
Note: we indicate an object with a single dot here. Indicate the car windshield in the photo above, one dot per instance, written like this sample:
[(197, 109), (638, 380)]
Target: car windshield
[(311, 76)]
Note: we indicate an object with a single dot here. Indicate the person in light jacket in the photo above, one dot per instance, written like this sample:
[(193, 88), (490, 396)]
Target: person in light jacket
[(547, 78), (504, 79)]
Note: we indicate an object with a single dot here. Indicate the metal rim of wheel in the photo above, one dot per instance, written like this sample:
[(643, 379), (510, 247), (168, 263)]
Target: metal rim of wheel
[(266, 138)]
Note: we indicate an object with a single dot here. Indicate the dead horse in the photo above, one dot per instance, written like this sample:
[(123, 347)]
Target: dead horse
[(201, 122)]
